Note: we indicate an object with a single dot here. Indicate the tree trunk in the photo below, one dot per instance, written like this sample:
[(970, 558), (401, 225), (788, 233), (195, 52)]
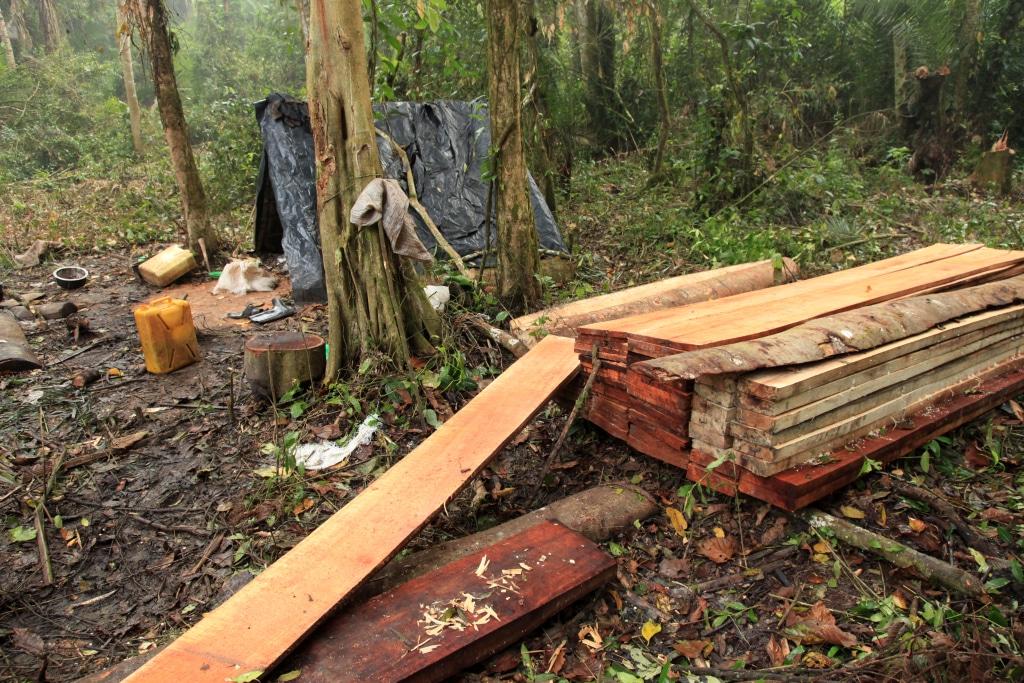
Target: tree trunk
[(596, 19), (303, 8), (186, 172), (535, 110), (899, 72), (518, 259), (374, 298), (659, 87), (21, 27), (124, 41), (53, 36), (6, 39), (968, 48)]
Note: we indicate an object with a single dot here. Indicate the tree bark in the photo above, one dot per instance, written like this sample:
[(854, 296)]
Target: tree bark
[(659, 86), (518, 260), (303, 8), (374, 298), (124, 41), (596, 19), (21, 27), (49, 24), (966, 53), (6, 39), (535, 108), (186, 172)]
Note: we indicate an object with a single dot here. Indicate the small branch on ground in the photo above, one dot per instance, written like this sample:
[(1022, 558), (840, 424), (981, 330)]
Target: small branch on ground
[(938, 572)]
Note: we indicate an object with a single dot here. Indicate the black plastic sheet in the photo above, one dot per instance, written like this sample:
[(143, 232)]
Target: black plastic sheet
[(447, 143)]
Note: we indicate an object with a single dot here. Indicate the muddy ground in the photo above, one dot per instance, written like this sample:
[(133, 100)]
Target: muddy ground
[(155, 506)]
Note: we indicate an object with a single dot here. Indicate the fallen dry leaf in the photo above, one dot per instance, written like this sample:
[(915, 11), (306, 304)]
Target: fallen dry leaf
[(718, 550), (998, 515), (817, 660), (917, 525), (851, 512), (691, 649), (976, 458), (819, 626), (674, 568), (777, 651), (678, 520), (1018, 411), (303, 506), (776, 531)]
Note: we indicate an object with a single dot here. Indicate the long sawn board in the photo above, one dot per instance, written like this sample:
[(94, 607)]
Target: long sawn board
[(265, 620)]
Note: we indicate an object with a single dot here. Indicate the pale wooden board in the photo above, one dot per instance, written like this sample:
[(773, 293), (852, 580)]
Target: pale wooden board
[(778, 384), (951, 371), (850, 389), (267, 618), (753, 457), (645, 323)]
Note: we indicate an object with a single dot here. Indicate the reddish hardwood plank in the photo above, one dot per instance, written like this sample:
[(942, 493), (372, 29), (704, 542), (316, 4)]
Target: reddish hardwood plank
[(652, 443), (609, 415), (375, 641), (266, 619)]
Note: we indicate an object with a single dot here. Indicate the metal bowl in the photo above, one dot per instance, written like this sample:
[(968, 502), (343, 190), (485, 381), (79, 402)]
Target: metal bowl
[(70, 277)]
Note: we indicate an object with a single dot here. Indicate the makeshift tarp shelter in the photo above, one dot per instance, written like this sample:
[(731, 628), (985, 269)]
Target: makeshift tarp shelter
[(446, 142)]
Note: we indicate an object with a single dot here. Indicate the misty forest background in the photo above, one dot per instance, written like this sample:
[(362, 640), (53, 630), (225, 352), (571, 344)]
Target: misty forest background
[(670, 135)]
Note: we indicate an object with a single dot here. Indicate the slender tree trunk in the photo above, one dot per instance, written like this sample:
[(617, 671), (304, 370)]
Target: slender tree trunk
[(518, 259), (534, 109), (53, 36), (659, 87), (596, 19), (968, 48), (303, 8), (899, 71), (6, 39), (124, 44), (186, 172), (21, 26), (374, 298)]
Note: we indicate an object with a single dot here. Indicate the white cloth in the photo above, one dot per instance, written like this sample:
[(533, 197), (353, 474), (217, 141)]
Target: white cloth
[(384, 200)]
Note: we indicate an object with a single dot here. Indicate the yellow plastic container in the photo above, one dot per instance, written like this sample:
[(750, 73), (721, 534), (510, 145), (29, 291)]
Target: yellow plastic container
[(167, 333), (167, 266)]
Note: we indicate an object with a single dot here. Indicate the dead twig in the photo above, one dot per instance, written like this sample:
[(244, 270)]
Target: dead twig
[(213, 545), (568, 423), (938, 572), (506, 340), (170, 529), (84, 349), (767, 675)]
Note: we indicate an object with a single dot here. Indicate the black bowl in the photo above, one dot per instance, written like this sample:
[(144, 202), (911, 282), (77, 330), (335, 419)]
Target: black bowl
[(70, 277)]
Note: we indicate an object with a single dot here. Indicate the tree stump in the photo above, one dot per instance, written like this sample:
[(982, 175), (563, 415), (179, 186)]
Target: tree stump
[(277, 362), (994, 171), (15, 353)]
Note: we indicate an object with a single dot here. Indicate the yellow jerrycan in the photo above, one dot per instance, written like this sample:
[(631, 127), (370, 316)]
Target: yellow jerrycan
[(167, 333)]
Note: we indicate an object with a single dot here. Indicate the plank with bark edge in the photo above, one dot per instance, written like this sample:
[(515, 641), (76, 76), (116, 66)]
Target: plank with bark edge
[(800, 486), (872, 383), (265, 620), (641, 323), (753, 456), (727, 326), (775, 385)]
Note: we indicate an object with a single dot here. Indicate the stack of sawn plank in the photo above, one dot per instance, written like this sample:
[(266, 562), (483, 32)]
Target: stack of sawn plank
[(767, 422)]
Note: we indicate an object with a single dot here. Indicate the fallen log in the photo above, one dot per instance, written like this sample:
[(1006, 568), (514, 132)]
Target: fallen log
[(677, 291), (938, 572)]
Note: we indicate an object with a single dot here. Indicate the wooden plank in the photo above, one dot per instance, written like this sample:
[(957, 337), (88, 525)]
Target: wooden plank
[(655, 426), (609, 415), (720, 439), (871, 383), (726, 399), (261, 623), (674, 396), (374, 642), (650, 442), (782, 383), (738, 323), (641, 323), (800, 486), (752, 456), (676, 291)]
